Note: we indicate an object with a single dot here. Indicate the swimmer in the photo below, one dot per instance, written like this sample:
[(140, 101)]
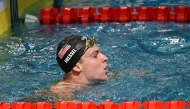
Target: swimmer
[(83, 63)]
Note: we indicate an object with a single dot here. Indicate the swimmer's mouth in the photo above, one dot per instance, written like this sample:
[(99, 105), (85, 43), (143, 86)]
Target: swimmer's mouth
[(106, 68)]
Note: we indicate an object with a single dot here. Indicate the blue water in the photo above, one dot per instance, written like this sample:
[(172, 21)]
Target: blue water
[(150, 59)]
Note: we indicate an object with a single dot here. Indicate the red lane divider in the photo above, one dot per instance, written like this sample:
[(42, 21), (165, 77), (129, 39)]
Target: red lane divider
[(69, 15), (182, 13), (145, 13), (50, 16), (172, 16), (162, 13), (64, 105), (21, 105), (153, 105), (4, 105), (188, 104), (130, 105), (86, 15), (86, 105), (174, 104), (188, 14), (42, 105), (108, 105), (107, 14), (123, 14)]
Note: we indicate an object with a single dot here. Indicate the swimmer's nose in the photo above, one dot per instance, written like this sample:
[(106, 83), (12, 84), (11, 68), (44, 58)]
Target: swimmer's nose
[(105, 58)]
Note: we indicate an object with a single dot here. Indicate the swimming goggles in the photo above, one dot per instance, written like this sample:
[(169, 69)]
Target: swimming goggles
[(89, 43)]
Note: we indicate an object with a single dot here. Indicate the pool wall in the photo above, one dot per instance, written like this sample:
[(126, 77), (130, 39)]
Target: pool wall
[(5, 17), (24, 7), (23, 4)]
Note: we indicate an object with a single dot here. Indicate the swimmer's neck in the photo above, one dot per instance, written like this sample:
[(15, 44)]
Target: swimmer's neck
[(73, 82)]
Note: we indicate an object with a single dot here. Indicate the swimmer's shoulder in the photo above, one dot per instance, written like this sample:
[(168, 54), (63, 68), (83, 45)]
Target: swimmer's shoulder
[(60, 87), (64, 91), (65, 87)]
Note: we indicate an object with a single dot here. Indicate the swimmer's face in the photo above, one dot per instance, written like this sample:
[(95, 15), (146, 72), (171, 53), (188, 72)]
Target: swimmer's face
[(94, 64)]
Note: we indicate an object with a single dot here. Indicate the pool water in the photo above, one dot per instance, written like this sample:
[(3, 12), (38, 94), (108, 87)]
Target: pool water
[(150, 59)]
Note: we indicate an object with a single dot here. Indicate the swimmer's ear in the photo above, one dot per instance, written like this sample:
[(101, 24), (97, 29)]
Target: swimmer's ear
[(77, 67)]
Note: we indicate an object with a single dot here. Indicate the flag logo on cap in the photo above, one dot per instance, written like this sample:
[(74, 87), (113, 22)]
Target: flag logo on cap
[(63, 50)]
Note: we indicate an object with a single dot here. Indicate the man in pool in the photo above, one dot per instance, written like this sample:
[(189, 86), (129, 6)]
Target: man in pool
[(83, 63)]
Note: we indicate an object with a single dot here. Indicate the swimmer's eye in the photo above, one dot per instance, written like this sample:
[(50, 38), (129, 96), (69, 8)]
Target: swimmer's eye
[(95, 56)]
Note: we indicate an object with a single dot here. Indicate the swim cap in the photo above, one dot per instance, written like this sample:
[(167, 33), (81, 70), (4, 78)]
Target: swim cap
[(71, 49)]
